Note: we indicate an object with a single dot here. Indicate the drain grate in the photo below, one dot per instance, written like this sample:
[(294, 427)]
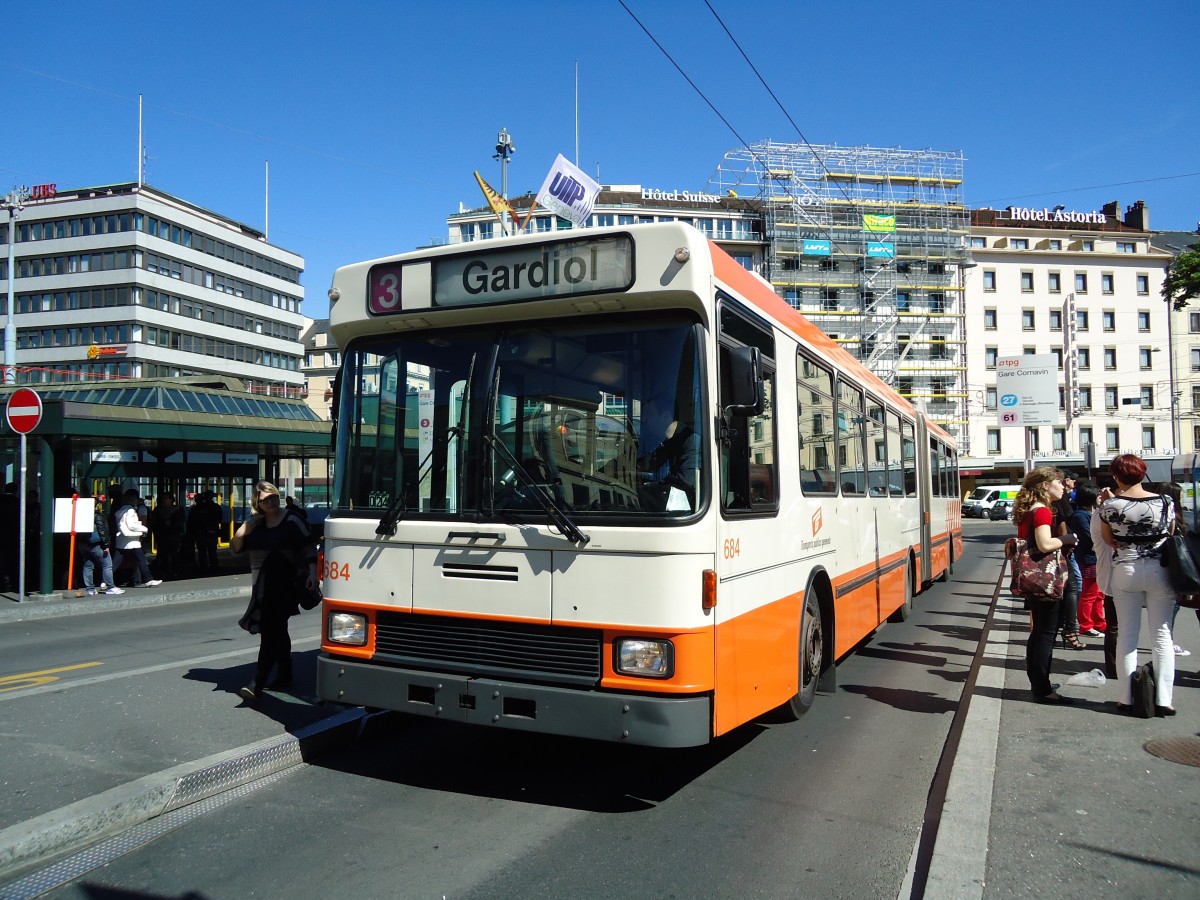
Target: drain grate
[(1185, 750)]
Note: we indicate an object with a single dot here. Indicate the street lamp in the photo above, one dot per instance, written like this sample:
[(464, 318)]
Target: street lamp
[(15, 201)]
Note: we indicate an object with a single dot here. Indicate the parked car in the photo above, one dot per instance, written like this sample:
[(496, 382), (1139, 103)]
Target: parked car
[(1001, 510)]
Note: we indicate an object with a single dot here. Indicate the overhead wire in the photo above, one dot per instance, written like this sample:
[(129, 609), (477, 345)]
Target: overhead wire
[(745, 144)]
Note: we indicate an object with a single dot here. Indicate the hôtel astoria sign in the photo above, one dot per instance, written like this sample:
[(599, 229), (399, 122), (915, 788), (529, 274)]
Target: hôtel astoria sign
[(1058, 214)]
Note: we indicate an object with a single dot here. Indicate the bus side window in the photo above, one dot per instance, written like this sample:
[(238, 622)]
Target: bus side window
[(748, 464)]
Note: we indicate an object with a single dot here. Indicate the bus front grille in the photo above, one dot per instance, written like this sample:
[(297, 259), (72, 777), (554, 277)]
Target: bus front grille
[(543, 653)]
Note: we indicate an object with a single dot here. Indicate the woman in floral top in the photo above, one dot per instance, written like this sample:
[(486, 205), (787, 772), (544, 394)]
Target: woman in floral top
[(1135, 523)]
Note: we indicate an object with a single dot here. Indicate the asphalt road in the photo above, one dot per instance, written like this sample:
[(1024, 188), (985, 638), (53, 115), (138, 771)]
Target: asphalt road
[(831, 806)]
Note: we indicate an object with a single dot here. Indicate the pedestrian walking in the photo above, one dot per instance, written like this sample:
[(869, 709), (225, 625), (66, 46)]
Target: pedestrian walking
[(294, 509), (283, 564), (1091, 600), (1136, 523), (1034, 519), (166, 523), (1069, 605), (129, 539), (96, 553), (205, 524)]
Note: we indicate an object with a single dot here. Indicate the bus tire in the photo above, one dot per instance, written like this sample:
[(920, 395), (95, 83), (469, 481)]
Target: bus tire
[(902, 613), (812, 657), (945, 573)]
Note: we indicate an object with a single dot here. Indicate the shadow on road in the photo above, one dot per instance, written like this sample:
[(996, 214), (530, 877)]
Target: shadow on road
[(532, 768)]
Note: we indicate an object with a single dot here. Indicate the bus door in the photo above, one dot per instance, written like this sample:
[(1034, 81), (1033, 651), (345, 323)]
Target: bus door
[(925, 493)]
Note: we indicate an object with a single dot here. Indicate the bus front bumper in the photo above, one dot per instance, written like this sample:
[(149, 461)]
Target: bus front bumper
[(623, 718)]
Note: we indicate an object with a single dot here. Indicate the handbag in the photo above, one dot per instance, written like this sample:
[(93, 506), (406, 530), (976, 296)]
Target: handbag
[(1179, 555), (309, 598), (1143, 691), (1041, 576)]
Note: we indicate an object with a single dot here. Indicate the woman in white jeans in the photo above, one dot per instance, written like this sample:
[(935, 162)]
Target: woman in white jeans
[(1136, 522)]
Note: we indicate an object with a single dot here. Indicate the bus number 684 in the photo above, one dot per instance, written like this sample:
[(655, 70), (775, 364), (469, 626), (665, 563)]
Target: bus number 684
[(733, 548), (334, 572)]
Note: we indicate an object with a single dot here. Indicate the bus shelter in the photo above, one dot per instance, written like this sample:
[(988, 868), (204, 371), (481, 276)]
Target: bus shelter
[(183, 436)]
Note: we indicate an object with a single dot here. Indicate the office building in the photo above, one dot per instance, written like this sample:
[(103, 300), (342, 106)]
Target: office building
[(127, 281)]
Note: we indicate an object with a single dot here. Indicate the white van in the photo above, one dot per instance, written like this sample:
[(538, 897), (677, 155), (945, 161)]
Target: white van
[(982, 499)]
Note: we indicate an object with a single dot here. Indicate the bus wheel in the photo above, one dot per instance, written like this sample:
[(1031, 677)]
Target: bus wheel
[(812, 657), (945, 574), (901, 614)]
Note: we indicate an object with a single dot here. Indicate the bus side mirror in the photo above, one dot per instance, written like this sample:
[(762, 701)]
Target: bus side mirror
[(745, 382)]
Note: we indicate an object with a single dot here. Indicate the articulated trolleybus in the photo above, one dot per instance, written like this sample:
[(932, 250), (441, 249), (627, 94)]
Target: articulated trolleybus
[(606, 483)]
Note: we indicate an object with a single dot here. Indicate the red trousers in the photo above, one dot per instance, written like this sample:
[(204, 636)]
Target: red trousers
[(1091, 601)]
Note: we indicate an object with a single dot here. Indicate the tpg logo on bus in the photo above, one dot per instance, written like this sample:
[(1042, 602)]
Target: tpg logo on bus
[(568, 192)]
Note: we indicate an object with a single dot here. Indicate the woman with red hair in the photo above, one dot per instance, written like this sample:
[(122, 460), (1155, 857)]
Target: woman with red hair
[(1136, 522)]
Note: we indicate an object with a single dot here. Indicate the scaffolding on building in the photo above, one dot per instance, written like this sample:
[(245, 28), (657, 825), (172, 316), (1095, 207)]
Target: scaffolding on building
[(870, 244)]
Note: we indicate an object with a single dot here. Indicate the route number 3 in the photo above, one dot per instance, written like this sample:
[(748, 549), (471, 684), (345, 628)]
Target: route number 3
[(733, 548)]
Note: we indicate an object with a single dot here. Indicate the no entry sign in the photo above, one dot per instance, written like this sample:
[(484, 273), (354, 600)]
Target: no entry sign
[(24, 411)]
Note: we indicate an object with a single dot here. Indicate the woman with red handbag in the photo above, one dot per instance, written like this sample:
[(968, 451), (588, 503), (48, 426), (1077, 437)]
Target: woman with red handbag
[(1034, 517)]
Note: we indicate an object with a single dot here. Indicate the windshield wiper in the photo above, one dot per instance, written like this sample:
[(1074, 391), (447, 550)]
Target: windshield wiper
[(556, 513), (397, 508)]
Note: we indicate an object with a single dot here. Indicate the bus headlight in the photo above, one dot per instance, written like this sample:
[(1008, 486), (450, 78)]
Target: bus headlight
[(650, 659), (347, 628)]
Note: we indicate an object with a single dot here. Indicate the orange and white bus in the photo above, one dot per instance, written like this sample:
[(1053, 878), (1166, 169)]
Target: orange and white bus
[(606, 483)]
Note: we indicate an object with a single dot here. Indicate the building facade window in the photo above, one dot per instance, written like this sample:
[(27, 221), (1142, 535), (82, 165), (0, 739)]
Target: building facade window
[(993, 441), (989, 319), (1085, 436), (989, 279), (1084, 357), (1143, 320), (1109, 320), (990, 356), (1054, 282), (1126, 247), (1059, 439), (1081, 320), (1110, 396), (1026, 282), (1112, 438), (1143, 285), (1110, 358), (1147, 396), (1148, 437), (1106, 282), (1085, 397), (989, 398), (1028, 320), (1145, 359)]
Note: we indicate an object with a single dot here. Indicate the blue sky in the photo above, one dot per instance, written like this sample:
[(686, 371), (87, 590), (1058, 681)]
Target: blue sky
[(374, 115)]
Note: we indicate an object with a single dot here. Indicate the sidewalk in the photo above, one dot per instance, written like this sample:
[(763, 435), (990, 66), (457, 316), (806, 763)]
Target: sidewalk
[(1070, 801), (232, 579)]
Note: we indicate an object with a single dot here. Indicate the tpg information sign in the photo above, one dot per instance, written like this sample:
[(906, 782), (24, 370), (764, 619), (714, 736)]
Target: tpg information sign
[(1027, 390)]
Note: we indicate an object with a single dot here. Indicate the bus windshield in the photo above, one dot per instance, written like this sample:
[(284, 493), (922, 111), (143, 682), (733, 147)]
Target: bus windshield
[(604, 418)]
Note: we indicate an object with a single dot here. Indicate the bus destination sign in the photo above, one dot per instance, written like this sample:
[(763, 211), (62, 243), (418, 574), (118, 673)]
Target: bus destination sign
[(537, 272)]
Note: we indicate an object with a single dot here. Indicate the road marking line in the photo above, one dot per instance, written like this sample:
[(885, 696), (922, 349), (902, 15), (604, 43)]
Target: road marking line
[(146, 670), (45, 676)]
